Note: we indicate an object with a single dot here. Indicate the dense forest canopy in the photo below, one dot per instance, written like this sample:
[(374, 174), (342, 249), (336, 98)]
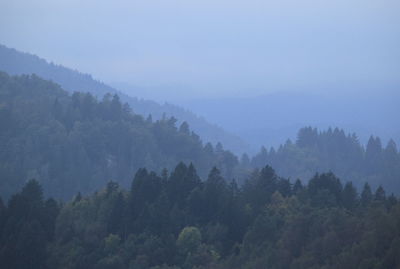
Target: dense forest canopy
[(175, 220), (77, 143)]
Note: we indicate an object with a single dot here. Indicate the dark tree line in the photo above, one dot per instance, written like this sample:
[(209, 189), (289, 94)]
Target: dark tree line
[(175, 220), (334, 150)]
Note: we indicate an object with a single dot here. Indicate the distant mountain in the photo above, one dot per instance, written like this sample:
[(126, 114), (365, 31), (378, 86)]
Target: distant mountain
[(74, 143), (270, 119), (17, 63)]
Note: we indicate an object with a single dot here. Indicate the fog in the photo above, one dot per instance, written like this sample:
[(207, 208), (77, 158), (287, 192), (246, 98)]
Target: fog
[(172, 134), (224, 59), (205, 49)]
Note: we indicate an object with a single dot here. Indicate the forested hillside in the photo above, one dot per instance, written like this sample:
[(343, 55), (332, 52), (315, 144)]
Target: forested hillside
[(77, 143), (174, 221), (17, 63), (204, 135), (334, 150)]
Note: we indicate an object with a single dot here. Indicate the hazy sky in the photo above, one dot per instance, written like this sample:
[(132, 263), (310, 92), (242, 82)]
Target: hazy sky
[(214, 46)]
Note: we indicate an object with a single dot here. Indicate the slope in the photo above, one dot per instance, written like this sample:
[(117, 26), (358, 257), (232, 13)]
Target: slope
[(17, 63), (76, 143)]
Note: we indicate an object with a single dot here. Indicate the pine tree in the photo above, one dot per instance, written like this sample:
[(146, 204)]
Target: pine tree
[(380, 194), (366, 195), (349, 196), (298, 186), (184, 128)]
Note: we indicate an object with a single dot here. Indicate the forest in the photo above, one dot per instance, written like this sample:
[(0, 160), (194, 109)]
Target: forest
[(199, 134), (15, 62), (76, 143), (88, 183), (334, 150), (175, 220)]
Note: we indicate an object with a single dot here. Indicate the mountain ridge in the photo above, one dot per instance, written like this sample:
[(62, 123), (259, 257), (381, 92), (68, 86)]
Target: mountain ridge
[(15, 62)]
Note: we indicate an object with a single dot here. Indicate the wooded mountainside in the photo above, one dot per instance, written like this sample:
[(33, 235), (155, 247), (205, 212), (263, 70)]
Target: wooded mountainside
[(77, 143), (15, 62), (199, 134)]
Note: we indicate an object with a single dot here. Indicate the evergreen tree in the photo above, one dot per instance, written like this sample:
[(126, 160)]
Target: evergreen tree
[(325, 190), (184, 128), (349, 196), (218, 225), (373, 155), (298, 186), (366, 195), (380, 194)]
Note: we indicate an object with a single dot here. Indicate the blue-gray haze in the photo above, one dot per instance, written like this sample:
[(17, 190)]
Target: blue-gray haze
[(195, 50)]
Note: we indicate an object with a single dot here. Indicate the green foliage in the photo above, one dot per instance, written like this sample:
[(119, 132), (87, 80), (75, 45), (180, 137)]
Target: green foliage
[(27, 226), (349, 196), (325, 190), (189, 240), (211, 224), (75, 144)]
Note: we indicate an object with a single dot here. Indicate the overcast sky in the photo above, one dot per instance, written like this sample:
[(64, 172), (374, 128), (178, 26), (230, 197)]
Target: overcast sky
[(213, 46)]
